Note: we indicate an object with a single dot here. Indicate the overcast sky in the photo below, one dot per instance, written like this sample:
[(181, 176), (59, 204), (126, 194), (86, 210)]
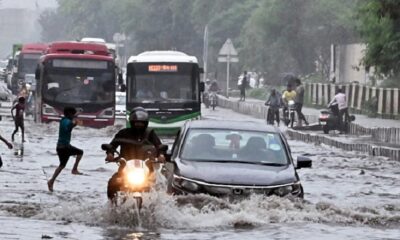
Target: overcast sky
[(31, 4)]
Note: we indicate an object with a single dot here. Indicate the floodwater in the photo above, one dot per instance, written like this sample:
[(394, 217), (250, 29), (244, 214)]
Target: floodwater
[(347, 196)]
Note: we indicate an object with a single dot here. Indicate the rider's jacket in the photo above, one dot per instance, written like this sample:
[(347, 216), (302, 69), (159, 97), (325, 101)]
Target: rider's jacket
[(132, 141), (287, 96)]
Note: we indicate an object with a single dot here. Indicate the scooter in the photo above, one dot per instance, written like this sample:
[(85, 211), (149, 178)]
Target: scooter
[(329, 119), (213, 99), (290, 113), (134, 176)]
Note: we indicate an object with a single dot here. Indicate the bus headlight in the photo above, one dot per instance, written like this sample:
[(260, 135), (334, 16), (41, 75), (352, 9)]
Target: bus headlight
[(49, 110), (136, 177)]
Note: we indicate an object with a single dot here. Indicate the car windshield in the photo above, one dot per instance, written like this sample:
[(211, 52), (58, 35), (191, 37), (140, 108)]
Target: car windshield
[(234, 146)]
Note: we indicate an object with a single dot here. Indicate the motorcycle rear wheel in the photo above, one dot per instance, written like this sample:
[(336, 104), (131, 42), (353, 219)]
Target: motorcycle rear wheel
[(325, 128)]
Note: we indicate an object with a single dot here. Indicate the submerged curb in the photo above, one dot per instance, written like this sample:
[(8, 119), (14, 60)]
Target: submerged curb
[(370, 149)]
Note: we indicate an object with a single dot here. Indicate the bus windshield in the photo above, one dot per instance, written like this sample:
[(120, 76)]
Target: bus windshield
[(166, 82), (27, 63), (70, 82)]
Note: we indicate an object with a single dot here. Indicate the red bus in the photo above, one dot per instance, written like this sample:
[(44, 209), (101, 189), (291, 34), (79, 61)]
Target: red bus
[(80, 75), (27, 62)]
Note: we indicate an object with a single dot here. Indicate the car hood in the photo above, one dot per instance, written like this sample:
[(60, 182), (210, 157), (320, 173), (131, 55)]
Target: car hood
[(237, 173)]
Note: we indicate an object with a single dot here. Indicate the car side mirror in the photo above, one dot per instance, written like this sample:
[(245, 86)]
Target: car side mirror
[(303, 162), (201, 70), (202, 87)]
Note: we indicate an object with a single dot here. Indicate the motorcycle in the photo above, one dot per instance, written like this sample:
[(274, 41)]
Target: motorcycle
[(213, 99), (290, 113), (134, 176), (329, 120)]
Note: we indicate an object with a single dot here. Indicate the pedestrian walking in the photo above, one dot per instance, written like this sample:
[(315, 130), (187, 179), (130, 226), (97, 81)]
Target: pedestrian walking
[(299, 101), (9, 145), (243, 86), (18, 117), (64, 147)]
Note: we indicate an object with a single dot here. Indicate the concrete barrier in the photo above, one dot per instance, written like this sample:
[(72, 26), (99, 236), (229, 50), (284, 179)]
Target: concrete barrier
[(370, 149), (387, 99)]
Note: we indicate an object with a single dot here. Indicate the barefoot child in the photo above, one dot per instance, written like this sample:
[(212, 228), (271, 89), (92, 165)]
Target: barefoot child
[(64, 148), (19, 117)]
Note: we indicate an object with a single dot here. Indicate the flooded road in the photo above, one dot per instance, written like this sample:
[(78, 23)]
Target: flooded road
[(347, 196)]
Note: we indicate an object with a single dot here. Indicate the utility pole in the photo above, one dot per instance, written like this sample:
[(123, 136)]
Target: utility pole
[(228, 54)]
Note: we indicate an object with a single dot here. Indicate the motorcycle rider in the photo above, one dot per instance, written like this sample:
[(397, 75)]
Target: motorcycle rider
[(274, 103), (341, 101), (287, 96), (137, 133)]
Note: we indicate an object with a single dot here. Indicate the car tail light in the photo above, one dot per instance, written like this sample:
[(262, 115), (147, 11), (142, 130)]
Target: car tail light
[(107, 113)]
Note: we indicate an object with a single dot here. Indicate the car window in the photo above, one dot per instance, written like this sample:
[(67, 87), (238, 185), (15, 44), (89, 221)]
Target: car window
[(220, 145)]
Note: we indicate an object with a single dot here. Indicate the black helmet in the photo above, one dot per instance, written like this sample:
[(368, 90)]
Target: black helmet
[(139, 118)]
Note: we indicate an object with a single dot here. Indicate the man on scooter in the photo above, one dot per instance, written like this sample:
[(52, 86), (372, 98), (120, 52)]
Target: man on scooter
[(138, 133), (287, 96), (341, 101)]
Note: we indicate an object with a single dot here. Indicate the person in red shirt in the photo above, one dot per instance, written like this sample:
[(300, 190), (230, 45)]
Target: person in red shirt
[(18, 117)]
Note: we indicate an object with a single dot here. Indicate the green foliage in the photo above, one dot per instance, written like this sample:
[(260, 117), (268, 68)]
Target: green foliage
[(370, 107), (272, 36), (258, 93), (379, 25)]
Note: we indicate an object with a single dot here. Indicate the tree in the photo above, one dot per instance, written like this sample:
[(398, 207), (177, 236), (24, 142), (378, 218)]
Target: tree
[(379, 26)]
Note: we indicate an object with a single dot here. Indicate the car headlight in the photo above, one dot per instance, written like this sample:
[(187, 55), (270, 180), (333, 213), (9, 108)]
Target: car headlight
[(191, 186), (294, 189), (136, 177), (283, 191), (185, 184)]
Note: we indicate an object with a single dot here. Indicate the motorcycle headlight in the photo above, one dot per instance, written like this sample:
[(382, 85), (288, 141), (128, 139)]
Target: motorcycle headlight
[(136, 176)]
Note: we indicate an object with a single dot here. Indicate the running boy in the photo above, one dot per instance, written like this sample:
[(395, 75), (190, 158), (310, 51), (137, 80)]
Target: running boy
[(64, 148)]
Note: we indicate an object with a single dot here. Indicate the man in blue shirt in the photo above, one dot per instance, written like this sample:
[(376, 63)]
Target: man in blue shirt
[(64, 148)]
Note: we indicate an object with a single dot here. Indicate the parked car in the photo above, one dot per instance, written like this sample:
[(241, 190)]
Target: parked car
[(120, 104), (228, 158)]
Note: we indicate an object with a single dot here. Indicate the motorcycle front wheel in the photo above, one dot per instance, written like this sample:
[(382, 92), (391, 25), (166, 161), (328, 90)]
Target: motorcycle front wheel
[(113, 187)]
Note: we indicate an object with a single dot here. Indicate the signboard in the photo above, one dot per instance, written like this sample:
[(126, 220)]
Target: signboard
[(66, 63), (225, 59), (163, 68), (228, 48)]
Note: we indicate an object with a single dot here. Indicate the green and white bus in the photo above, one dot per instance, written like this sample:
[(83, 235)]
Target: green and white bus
[(167, 84)]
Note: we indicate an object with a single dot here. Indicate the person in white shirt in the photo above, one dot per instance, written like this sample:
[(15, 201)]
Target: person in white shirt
[(341, 100)]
